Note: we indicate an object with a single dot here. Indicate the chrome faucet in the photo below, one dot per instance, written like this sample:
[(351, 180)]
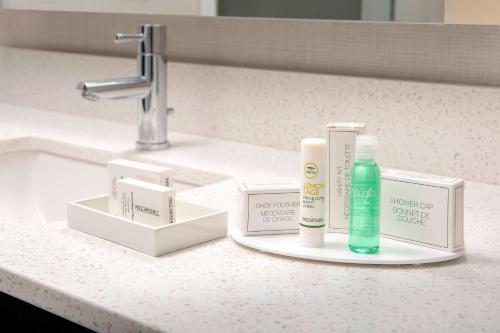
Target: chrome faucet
[(149, 87)]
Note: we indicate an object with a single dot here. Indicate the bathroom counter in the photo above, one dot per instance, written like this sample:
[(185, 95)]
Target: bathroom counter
[(221, 286)]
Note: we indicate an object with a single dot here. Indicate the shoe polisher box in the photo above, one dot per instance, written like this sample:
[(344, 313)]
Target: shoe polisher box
[(422, 209), (268, 209)]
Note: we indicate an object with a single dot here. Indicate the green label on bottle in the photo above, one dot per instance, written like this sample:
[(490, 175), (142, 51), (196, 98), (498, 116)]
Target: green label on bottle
[(364, 206)]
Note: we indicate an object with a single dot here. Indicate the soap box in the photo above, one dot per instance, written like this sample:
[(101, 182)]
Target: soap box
[(146, 202), (121, 168), (267, 209), (341, 157), (422, 209)]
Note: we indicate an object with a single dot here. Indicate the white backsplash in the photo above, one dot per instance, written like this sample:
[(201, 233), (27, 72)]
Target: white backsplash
[(450, 130)]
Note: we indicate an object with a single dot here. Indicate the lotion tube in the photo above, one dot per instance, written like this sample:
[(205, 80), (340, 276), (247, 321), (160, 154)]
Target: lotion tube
[(314, 173)]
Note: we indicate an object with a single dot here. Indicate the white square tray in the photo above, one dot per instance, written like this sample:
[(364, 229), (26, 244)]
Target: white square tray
[(195, 224)]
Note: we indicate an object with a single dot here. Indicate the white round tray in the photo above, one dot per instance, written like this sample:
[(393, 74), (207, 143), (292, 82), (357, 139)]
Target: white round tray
[(392, 252)]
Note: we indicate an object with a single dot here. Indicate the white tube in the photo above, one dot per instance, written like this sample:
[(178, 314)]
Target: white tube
[(314, 173)]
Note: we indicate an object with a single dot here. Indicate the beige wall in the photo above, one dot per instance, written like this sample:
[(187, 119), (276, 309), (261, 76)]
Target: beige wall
[(473, 11), (428, 52)]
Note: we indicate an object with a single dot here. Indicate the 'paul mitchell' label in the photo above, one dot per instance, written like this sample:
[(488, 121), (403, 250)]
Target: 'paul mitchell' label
[(146, 210), (171, 210)]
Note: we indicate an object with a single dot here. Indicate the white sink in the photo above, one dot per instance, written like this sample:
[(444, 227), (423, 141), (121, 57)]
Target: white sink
[(35, 186)]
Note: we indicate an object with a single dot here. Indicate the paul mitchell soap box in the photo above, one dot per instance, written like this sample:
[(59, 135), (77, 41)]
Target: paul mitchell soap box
[(121, 168), (422, 209), (266, 209)]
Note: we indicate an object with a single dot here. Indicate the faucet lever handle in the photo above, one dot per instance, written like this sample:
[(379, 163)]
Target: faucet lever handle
[(152, 38), (121, 38)]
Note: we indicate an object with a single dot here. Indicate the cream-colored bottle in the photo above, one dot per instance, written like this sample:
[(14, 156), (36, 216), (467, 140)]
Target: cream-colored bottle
[(314, 174)]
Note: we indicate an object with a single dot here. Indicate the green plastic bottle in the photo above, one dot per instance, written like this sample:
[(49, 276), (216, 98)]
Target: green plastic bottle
[(364, 225)]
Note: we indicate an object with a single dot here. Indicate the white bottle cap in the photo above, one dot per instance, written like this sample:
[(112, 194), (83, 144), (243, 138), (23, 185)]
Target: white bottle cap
[(366, 147), (312, 237), (313, 144)]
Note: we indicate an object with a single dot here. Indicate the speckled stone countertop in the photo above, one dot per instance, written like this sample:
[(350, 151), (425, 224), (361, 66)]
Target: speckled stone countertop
[(220, 286)]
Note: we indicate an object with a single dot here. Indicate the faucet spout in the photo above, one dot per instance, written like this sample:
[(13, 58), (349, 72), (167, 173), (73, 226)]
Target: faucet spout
[(134, 87), (149, 87)]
